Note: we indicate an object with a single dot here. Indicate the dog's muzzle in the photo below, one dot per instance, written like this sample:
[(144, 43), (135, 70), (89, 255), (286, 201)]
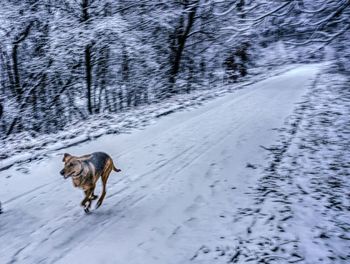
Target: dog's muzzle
[(62, 173)]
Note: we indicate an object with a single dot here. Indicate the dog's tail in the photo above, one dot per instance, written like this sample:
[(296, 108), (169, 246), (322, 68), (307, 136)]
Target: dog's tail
[(115, 169)]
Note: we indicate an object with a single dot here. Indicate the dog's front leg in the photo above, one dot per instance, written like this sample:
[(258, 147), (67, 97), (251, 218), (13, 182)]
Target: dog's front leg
[(87, 199), (93, 196)]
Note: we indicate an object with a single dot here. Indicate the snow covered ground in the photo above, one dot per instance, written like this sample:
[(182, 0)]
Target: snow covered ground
[(24, 147), (215, 184)]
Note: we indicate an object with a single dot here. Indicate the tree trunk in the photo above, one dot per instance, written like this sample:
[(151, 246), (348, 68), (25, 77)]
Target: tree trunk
[(20, 37), (88, 78), (181, 42), (87, 53)]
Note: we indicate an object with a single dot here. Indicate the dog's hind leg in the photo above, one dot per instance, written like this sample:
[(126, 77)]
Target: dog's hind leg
[(104, 178)]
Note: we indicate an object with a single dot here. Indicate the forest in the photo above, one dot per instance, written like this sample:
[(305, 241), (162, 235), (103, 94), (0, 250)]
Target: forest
[(213, 131), (62, 61)]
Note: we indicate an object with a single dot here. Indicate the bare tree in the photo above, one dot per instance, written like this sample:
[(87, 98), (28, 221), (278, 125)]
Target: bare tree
[(319, 21)]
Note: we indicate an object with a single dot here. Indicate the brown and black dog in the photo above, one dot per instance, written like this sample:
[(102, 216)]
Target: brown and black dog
[(85, 171)]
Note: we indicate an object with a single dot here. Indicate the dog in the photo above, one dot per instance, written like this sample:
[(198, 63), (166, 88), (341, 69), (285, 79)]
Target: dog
[(85, 171)]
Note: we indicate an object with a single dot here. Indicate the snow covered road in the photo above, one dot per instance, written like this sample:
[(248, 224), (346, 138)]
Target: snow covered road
[(181, 177)]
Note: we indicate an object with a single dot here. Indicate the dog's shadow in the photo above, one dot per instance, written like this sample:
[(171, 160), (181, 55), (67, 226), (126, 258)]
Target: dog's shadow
[(105, 213)]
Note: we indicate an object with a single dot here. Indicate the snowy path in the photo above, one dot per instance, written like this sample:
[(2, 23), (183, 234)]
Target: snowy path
[(181, 177)]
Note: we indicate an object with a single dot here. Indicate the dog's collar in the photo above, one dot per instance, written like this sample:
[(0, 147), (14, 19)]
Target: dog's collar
[(79, 174)]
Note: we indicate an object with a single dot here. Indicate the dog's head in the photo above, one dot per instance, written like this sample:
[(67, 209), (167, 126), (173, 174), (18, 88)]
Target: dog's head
[(72, 166)]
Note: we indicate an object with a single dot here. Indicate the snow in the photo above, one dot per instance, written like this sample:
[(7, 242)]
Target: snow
[(186, 193), (25, 146), (301, 207)]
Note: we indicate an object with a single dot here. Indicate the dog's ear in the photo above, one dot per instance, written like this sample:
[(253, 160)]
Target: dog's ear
[(66, 156)]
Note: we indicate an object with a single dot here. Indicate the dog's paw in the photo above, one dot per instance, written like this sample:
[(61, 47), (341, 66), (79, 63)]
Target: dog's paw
[(98, 204), (86, 210)]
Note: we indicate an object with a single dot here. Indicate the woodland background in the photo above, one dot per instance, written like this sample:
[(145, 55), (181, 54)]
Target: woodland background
[(62, 61)]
